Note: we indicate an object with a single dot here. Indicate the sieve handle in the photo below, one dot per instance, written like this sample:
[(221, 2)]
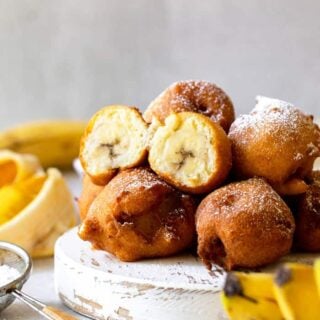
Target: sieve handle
[(47, 312), (57, 314)]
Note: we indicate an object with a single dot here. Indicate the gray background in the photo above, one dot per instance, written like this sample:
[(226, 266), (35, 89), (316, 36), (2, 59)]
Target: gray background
[(68, 58)]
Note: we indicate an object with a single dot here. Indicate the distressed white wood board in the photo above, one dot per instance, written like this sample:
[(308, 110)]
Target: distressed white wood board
[(98, 285)]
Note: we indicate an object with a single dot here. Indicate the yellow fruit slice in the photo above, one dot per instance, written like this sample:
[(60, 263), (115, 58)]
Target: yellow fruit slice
[(15, 197), (50, 213), (250, 296), (16, 167), (296, 292)]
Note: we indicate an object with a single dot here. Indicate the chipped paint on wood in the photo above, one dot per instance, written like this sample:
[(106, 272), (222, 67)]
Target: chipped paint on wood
[(88, 302), (122, 312)]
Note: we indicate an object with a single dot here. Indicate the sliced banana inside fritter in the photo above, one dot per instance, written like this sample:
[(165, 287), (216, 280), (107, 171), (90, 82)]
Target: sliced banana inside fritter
[(114, 138), (191, 152)]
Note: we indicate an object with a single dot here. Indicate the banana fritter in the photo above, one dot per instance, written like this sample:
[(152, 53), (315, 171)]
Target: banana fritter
[(137, 215), (275, 141), (193, 96), (244, 224)]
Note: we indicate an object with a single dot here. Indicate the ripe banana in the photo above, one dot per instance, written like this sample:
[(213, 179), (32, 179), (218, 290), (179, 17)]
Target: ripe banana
[(296, 292), (55, 143), (250, 296)]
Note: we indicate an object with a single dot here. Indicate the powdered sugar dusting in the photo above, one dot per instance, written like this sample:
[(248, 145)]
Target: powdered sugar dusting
[(273, 120), (257, 203), (195, 96), (263, 102), (312, 203), (298, 156), (133, 179), (312, 149), (312, 196), (280, 124), (7, 274), (315, 178), (200, 96)]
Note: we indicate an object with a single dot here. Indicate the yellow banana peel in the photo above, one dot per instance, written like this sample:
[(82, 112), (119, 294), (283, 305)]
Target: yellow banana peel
[(250, 296), (292, 293), (35, 207), (296, 292), (44, 219), (317, 274)]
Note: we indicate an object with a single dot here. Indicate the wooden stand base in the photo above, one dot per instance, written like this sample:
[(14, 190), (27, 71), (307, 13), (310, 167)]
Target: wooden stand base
[(100, 286)]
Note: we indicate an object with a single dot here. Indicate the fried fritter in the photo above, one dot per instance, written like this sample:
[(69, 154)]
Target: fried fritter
[(193, 96), (137, 215), (278, 142), (243, 224)]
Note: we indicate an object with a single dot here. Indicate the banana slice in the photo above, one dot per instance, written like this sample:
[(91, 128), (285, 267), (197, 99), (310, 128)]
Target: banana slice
[(44, 219), (191, 152), (15, 167), (114, 138)]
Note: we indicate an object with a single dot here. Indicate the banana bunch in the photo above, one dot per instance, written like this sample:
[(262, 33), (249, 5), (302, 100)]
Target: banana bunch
[(292, 293), (55, 143), (36, 207)]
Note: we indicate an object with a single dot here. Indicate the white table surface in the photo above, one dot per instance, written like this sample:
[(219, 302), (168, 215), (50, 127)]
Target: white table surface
[(41, 282)]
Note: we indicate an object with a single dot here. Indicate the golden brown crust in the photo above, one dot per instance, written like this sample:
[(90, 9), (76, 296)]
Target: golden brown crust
[(291, 187), (219, 145), (103, 177), (307, 235), (137, 215), (89, 192), (276, 142), (193, 96), (243, 224)]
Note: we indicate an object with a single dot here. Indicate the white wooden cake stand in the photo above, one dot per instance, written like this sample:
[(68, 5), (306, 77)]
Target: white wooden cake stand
[(100, 286)]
